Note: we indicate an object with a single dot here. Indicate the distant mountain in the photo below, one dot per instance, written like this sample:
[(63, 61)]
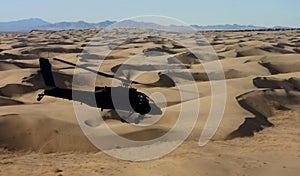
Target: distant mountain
[(75, 25), (27, 25), (149, 25), (67, 25), (227, 27), (104, 24), (22, 25), (39, 24), (136, 24)]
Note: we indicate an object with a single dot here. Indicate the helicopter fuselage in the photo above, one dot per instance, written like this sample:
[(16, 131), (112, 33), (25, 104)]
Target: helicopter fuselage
[(127, 99), (122, 98)]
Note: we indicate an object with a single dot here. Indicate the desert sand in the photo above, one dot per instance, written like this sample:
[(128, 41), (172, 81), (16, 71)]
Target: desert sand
[(258, 135)]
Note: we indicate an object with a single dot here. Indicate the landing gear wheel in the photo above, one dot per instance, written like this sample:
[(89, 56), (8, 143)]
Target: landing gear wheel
[(123, 120), (40, 97), (137, 120)]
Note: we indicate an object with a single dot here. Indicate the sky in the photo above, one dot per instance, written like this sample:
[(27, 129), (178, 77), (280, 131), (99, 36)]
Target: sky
[(208, 12)]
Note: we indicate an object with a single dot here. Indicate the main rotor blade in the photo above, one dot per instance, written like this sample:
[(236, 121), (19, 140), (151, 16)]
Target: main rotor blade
[(97, 72)]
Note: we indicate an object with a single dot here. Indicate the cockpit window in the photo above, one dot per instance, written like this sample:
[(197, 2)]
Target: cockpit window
[(149, 99), (140, 96)]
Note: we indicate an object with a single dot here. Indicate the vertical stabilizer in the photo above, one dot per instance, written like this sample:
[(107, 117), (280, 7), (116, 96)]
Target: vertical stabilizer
[(46, 72)]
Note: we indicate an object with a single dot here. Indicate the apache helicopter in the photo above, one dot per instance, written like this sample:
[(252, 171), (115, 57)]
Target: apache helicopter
[(138, 101)]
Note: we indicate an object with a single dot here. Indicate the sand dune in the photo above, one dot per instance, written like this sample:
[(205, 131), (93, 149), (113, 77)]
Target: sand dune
[(8, 102), (276, 83), (258, 135), (7, 66), (279, 64), (11, 90), (17, 57), (54, 135), (19, 45)]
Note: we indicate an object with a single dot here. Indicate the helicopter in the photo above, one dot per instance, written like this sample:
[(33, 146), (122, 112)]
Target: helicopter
[(138, 102)]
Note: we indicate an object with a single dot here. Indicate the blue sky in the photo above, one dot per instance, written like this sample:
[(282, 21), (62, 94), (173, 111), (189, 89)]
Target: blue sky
[(256, 12)]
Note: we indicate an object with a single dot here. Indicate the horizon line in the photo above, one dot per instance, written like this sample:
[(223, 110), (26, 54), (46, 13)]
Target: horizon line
[(111, 20)]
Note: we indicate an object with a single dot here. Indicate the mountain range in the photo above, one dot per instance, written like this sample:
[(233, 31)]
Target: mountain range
[(27, 25)]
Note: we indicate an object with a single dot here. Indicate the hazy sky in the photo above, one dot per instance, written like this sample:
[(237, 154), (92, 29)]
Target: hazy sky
[(257, 12)]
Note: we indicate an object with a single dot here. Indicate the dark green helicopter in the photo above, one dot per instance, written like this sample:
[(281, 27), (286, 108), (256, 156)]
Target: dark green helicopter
[(138, 102)]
